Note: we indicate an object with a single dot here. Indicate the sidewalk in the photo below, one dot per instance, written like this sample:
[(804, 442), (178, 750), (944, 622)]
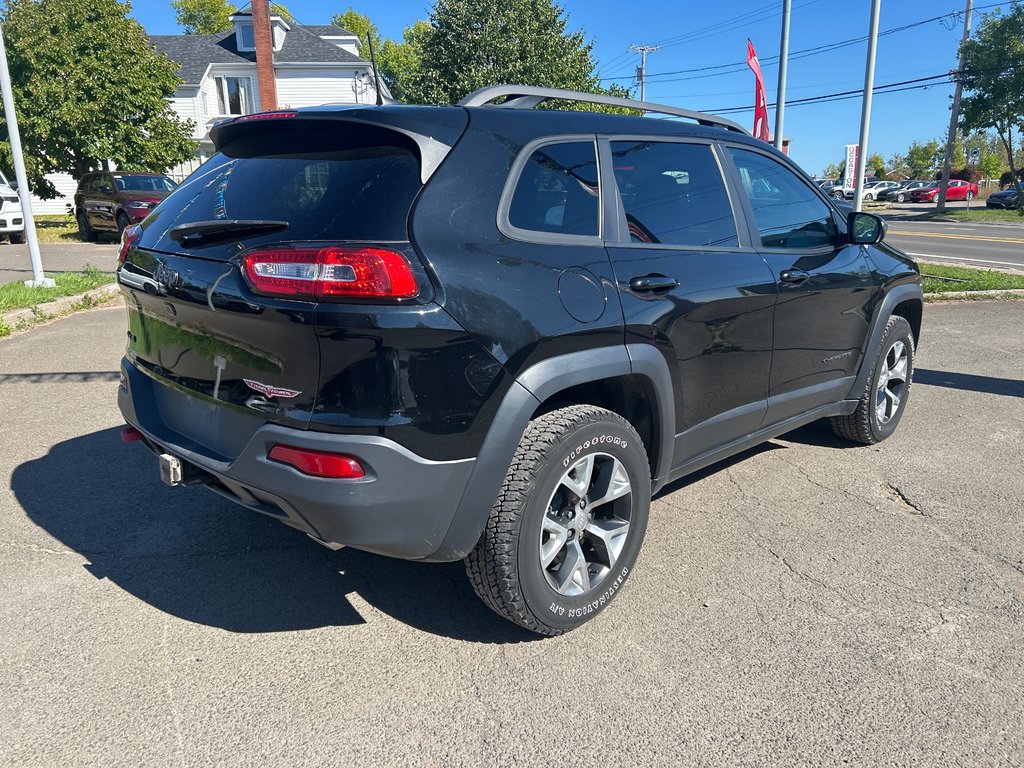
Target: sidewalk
[(15, 263)]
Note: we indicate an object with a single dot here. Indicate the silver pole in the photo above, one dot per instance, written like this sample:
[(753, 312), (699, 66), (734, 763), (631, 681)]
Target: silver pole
[(954, 117), (780, 101), (865, 114), (38, 279)]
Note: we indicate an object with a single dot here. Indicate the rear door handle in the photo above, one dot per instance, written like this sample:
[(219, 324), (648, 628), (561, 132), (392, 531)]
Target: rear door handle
[(653, 283), (793, 276)]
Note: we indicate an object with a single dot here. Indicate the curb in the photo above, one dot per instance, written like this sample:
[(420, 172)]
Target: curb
[(1006, 293), (56, 307)]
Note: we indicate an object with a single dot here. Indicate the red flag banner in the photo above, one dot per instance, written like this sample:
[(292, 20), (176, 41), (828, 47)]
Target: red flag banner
[(760, 102)]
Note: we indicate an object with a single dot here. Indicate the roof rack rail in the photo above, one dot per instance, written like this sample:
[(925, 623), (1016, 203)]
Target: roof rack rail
[(529, 96)]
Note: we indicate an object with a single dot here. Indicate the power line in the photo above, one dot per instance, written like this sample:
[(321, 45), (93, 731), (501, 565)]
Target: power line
[(801, 54)]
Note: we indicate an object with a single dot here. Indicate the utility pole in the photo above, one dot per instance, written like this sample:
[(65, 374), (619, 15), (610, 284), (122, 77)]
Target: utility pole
[(780, 100), (865, 113), (954, 115), (641, 75), (38, 279)]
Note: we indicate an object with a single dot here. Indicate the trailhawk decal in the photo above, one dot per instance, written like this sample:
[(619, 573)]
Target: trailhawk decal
[(269, 391)]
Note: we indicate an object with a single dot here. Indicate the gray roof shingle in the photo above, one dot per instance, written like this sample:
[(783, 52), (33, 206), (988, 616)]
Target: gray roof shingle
[(194, 53)]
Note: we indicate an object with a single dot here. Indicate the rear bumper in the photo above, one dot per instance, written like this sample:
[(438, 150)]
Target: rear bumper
[(403, 507)]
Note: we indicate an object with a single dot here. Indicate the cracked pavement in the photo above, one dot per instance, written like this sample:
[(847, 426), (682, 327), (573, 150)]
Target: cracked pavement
[(805, 603)]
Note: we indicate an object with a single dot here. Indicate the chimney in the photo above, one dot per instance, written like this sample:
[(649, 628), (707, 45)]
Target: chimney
[(264, 37)]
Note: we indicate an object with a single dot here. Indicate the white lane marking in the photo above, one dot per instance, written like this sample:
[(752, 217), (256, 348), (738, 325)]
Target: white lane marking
[(961, 258)]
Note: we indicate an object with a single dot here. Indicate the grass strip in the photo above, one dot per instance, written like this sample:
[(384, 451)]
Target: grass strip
[(19, 296), (966, 279)]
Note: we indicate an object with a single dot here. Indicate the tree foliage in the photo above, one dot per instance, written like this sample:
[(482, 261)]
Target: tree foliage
[(209, 17), (993, 79), (475, 43), (395, 60), (88, 86)]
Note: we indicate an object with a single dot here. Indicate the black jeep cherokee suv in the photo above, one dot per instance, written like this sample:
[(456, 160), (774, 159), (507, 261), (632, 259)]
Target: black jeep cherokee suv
[(491, 332)]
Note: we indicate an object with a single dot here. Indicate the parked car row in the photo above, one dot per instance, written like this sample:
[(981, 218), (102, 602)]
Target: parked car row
[(1008, 199), (913, 190)]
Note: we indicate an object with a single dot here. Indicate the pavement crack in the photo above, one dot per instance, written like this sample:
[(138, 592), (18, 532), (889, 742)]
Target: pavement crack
[(896, 495), (35, 548)]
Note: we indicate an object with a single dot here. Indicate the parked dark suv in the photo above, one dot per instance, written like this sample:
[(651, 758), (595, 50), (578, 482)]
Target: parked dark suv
[(109, 201), (490, 331)]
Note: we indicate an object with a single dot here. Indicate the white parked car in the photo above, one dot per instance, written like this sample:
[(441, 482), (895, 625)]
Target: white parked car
[(12, 223), (873, 188)]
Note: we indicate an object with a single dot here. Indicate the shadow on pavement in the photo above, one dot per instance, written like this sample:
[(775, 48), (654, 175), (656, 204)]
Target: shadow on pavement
[(969, 382), (190, 554)]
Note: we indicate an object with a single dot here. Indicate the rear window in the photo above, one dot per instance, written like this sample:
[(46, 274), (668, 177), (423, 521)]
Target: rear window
[(127, 183), (336, 187)]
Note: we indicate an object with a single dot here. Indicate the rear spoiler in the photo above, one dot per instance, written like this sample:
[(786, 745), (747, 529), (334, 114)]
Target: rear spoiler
[(430, 131)]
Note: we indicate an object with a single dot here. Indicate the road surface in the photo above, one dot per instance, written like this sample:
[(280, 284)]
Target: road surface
[(806, 603), (996, 246)]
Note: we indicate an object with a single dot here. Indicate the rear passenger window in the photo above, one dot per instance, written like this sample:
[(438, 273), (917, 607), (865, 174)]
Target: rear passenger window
[(557, 191), (787, 212), (673, 194)]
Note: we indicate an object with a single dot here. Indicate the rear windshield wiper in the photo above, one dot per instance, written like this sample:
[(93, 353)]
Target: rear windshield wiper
[(199, 232)]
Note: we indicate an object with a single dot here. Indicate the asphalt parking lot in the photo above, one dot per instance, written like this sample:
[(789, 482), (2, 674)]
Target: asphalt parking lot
[(806, 603)]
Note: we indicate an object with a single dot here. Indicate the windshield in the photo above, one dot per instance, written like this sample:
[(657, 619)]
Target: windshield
[(127, 183)]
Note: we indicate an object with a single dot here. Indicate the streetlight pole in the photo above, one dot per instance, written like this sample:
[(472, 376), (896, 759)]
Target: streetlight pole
[(954, 115), (38, 279), (780, 101), (865, 114)]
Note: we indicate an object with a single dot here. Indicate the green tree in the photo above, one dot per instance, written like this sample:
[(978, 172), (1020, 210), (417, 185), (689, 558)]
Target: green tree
[(400, 62), (994, 81), (358, 24), (923, 159), (209, 17), (203, 17), (877, 164), (88, 86), (475, 43), (832, 171)]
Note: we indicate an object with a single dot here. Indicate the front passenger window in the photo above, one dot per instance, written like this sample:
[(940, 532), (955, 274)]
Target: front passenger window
[(788, 214)]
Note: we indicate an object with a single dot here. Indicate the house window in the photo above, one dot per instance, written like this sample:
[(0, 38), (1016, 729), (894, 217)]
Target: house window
[(234, 96), (246, 37)]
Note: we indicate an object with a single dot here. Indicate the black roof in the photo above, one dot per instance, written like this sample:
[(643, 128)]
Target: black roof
[(302, 45)]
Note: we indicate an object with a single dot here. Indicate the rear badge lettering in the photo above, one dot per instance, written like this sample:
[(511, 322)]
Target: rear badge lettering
[(269, 391)]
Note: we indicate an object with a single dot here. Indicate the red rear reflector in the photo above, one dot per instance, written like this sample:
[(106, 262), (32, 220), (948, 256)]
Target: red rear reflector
[(129, 237), (318, 463), (333, 272), (265, 116), (130, 435)]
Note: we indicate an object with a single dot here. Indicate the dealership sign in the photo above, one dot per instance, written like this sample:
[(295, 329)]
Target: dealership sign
[(850, 175)]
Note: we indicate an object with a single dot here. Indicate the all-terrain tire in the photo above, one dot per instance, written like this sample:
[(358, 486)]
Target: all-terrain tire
[(506, 567), (867, 425)]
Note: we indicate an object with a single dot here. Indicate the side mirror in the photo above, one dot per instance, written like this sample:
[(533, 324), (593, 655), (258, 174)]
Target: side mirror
[(865, 228)]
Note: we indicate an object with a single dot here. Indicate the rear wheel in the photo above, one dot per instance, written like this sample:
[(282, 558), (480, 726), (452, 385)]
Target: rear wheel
[(566, 529), (884, 398), (85, 231)]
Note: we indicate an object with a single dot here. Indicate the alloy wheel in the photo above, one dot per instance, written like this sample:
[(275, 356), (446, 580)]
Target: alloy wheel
[(586, 524), (892, 382)]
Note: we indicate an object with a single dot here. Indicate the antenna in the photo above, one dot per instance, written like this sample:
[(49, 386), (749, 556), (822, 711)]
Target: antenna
[(376, 73)]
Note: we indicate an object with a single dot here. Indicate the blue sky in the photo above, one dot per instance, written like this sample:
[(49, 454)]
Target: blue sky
[(700, 34)]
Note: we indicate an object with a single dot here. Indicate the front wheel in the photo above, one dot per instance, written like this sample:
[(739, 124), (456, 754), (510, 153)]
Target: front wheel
[(868, 196), (122, 223), (884, 399), (900, 197), (17, 238), (85, 231), (565, 531)]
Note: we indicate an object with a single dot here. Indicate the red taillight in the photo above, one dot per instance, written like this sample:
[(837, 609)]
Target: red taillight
[(318, 463), (130, 435), (129, 237), (265, 116), (330, 273)]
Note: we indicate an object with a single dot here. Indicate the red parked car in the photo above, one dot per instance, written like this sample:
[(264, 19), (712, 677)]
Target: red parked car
[(957, 190)]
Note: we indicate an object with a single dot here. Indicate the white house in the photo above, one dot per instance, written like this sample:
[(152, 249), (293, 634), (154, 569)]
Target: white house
[(312, 65)]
